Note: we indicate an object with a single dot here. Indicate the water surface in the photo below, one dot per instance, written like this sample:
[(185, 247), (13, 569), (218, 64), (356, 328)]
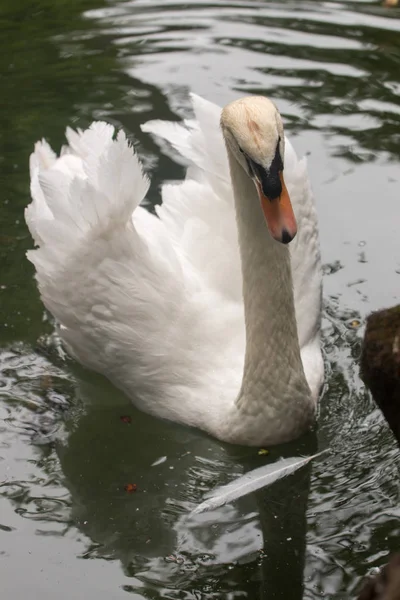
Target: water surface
[(68, 526)]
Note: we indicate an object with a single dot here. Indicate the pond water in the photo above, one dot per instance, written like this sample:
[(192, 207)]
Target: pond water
[(68, 527)]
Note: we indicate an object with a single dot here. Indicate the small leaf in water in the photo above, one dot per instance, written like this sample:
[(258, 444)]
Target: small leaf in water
[(46, 382), (354, 324), (130, 488), (263, 452), (7, 239), (179, 560), (357, 282), (362, 258), (332, 268), (170, 558), (126, 419)]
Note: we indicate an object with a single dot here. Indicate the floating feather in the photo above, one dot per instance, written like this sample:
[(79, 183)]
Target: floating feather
[(252, 481)]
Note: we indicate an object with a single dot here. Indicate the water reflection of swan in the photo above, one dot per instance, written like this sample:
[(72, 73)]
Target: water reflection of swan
[(250, 547), (158, 305)]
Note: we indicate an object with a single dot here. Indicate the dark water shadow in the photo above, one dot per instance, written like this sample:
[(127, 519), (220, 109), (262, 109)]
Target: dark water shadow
[(256, 546)]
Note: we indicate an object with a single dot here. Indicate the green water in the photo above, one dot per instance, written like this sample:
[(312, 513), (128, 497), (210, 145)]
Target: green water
[(68, 528)]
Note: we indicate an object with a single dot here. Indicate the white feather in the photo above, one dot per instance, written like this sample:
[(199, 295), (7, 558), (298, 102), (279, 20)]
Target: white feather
[(251, 482)]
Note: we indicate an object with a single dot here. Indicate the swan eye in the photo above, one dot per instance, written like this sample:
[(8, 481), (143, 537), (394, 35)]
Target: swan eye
[(251, 172)]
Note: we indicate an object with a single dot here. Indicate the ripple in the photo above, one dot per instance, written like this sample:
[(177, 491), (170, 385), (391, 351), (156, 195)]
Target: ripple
[(315, 55), (65, 455)]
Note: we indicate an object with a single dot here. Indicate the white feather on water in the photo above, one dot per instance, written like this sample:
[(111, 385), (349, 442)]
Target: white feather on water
[(252, 481)]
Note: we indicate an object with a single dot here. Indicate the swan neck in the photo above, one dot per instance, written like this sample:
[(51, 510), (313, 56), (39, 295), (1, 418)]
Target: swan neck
[(272, 359)]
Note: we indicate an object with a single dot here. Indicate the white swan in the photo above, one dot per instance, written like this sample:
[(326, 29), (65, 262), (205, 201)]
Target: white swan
[(192, 314)]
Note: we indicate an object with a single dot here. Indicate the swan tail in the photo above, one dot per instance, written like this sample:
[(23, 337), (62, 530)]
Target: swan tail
[(90, 190), (198, 144), (105, 269), (80, 218)]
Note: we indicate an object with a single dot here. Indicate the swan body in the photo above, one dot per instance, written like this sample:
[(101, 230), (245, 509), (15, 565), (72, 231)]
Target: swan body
[(198, 313)]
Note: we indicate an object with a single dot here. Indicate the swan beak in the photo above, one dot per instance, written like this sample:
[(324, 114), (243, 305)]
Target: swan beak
[(279, 214)]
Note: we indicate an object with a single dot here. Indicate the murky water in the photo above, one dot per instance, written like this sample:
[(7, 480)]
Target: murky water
[(68, 526)]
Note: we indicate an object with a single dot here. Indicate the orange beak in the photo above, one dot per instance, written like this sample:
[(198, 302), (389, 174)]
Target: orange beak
[(279, 214)]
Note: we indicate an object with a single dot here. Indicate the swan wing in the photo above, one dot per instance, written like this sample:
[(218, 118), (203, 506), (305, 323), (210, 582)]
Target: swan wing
[(199, 212), (128, 301), (304, 251)]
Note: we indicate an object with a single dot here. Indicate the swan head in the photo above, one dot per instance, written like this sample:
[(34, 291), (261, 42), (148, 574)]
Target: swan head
[(253, 131)]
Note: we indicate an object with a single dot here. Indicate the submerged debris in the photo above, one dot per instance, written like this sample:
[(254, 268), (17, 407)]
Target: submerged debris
[(130, 488), (380, 363), (126, 419), (263, 452), (385, 585)]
